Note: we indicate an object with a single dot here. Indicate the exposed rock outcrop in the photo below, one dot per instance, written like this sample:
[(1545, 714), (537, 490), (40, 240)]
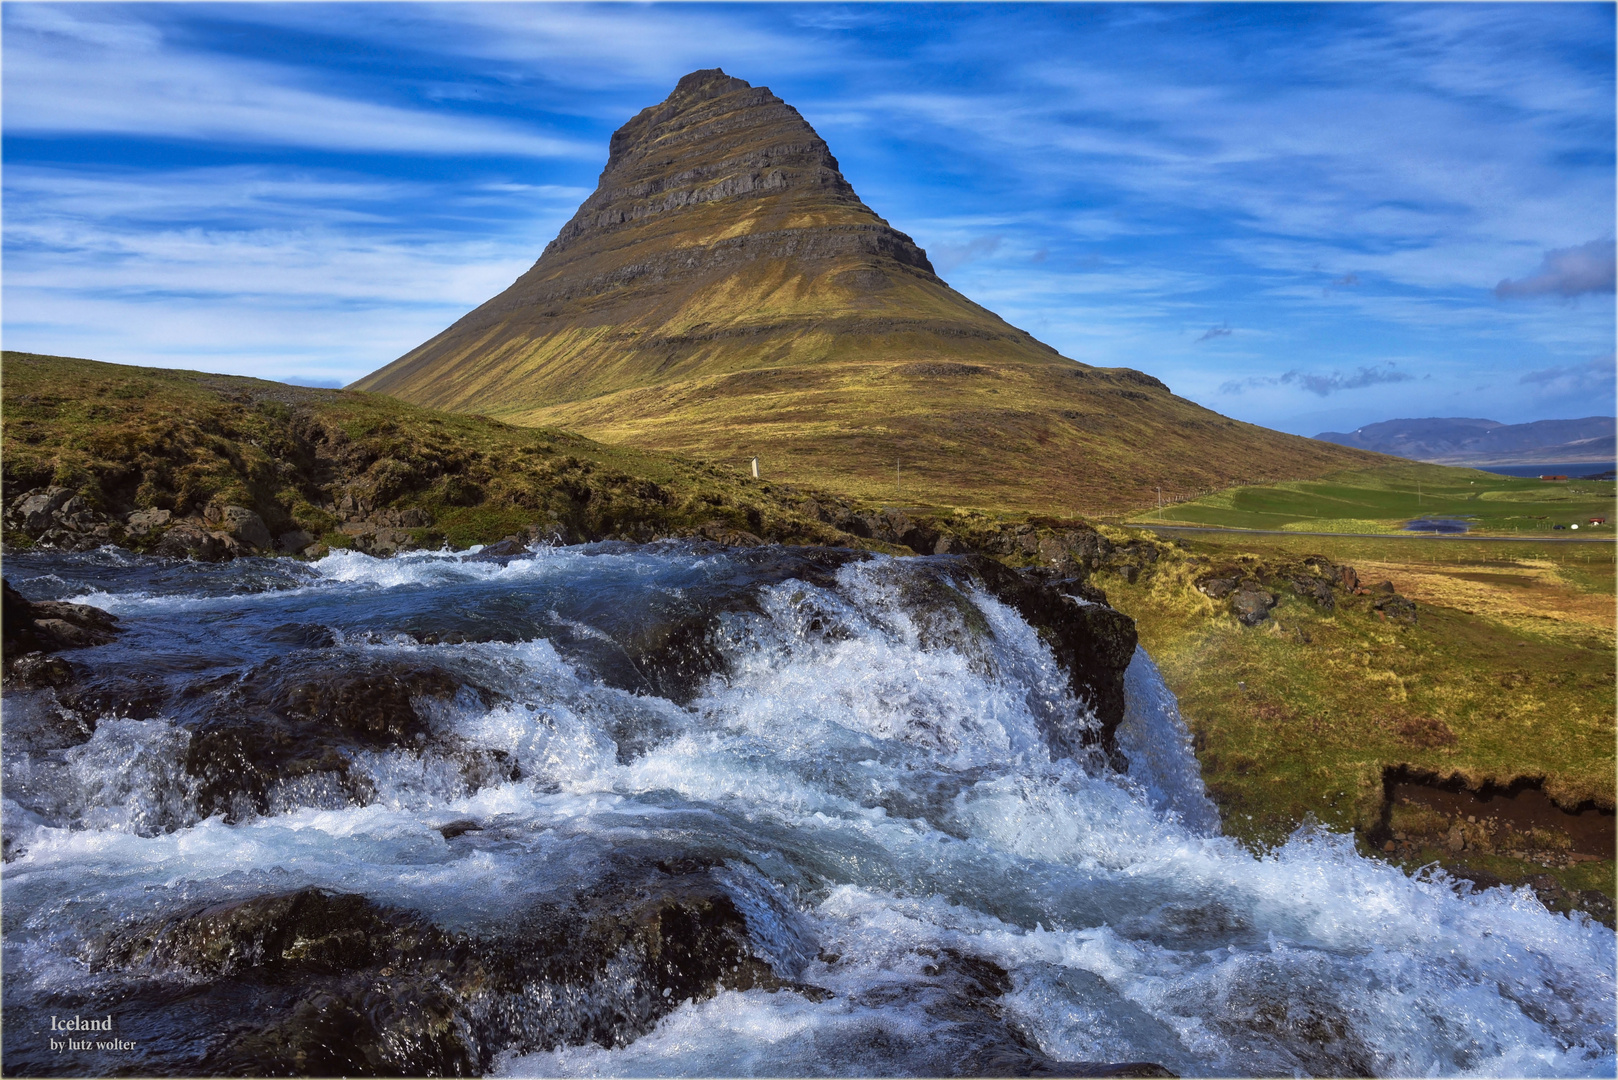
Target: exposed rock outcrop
[(59, 517), (1251, 605), (1252, 588)]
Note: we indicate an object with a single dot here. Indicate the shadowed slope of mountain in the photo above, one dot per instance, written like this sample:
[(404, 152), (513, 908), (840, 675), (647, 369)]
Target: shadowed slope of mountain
[(725, 294), (1469, 441)]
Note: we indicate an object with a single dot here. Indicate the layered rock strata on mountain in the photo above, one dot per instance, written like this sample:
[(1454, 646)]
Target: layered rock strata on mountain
[(722, 188), (724, 293)]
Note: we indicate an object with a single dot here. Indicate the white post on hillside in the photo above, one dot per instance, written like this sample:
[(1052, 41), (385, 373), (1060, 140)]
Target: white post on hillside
[(755, 468)]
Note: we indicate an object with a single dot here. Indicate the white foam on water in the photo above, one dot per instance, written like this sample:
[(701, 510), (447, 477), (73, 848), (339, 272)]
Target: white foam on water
[(436, 568), (753, 1033)]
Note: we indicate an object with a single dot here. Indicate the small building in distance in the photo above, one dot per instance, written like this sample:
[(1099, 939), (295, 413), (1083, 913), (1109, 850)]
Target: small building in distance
[(1544, 477)]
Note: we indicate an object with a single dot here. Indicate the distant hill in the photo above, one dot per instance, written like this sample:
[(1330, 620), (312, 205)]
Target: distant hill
[(725, 294), (1467, 441)]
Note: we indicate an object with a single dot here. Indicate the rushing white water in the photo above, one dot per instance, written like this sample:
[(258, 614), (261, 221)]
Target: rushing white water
[(871, 771)]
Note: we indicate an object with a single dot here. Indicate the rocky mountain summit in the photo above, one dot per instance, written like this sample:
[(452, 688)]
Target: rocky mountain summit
[(721, 187), (725, 294)]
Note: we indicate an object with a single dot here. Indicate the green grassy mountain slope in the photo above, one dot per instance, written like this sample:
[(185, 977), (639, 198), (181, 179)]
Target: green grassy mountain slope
[(725, 294)]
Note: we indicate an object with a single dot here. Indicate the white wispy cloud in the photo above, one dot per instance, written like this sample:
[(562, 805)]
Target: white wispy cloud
[(75, 70), (254, 270), (596, 48)]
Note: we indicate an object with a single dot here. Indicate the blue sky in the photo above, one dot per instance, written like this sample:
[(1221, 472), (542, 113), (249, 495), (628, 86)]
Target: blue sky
[(1312, 217)]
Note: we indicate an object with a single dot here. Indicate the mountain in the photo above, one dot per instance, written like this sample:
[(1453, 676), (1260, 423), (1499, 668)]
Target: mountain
[(725, 294), (1467, 441)]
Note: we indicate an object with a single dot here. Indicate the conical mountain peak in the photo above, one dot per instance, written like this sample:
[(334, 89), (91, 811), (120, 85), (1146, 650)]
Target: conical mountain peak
[(715, 138), (725, 293)]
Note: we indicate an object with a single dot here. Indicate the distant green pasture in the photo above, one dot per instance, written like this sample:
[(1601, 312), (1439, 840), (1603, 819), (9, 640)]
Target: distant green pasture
[(1382, 500)]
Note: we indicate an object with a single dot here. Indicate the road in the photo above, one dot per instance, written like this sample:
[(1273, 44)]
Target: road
[(1609, 538)]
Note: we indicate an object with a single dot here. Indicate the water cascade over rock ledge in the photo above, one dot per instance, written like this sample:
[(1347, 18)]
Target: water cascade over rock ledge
[(678, 809)]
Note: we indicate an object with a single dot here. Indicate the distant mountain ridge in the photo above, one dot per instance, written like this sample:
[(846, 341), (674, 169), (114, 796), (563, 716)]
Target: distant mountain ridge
[(1459, 440), (725, 294)]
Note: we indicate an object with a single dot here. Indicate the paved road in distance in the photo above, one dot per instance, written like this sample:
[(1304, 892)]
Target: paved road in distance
[(1383, 536)]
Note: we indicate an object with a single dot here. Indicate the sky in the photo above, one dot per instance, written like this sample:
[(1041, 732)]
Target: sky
[(1311, 217)]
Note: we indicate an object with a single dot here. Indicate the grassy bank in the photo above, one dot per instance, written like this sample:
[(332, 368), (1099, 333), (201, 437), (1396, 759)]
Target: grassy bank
[(1507, 675), (328, 461), (1382, 500)]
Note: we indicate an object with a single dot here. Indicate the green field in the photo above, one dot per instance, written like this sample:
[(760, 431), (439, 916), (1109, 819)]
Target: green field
[(1382, 500)]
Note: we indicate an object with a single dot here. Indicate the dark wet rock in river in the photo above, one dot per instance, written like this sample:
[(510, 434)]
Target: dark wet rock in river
[(1296, 1018), (968, 1032), (311, 931), (314, 982), (38, 722), (510, 547), (36, 670), (291, 726), (34, 628), (376, 703), (671, 645)]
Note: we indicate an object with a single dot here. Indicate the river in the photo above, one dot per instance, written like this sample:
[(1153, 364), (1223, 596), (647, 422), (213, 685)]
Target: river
[(836, 772)]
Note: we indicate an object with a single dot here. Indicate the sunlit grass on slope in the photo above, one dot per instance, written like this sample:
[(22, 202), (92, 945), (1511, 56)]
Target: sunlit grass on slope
[(1299, 717), (129, 437)]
